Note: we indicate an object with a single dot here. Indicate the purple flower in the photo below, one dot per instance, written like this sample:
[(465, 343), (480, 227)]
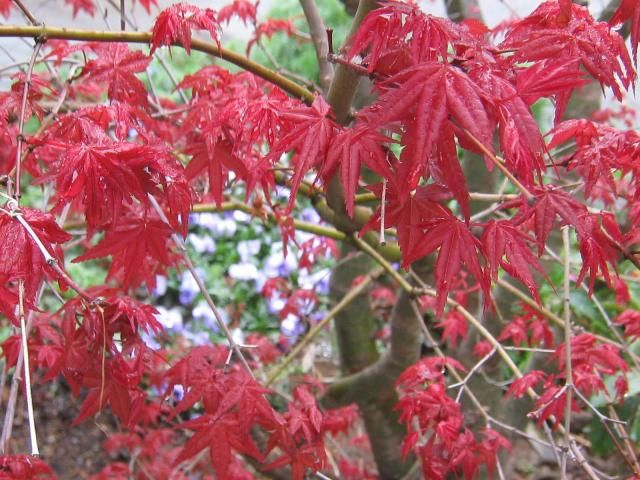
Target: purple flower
[(197, 338), (310, 215), (202, 312), (243, 271), (276, 303), (178, 393), (292, 327), (161, 286), (276, 265), (188, 287), (317, 281)]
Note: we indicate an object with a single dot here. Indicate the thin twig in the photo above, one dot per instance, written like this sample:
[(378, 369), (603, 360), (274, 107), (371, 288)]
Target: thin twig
[(27, 374), (500, 164), (26, 12), (317, 328), (202, 287), (567, 339), (320, 42), (21, 119)]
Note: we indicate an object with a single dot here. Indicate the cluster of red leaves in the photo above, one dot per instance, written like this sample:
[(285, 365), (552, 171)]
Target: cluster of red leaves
[(591, 361), (435, 422)]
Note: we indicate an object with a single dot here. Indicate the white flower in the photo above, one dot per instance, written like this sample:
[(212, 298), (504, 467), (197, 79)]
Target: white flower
[(240, 216), (202, 243), (248, 249), (170, 319), (161, 286), (243, 271)]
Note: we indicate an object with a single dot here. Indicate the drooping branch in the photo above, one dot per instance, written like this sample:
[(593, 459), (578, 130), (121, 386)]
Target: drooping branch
[(76, 34)]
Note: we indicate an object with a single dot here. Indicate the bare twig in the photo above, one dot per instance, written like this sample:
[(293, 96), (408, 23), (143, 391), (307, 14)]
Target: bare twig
[(27, 373), (320, 42), (202, 287), (26, 12), (21, 119), (567, 340), (317, 328)]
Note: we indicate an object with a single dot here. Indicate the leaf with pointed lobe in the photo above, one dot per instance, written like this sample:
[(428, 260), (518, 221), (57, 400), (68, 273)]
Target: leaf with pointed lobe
[(505, 246), (117, 65), (397, 27), (548, 34), (174, 25), (268, 28), (629, 10), (421, 99), (221, 435), (310, 134), (139, 250), (104, 177), (548, 79), (20, 255), (5, 7), (454, 328), (350, 148), (25, 467), (87, 6), (456, 246), (245, 10)]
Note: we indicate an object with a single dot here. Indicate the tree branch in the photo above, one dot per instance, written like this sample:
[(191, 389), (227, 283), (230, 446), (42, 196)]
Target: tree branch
[(77, 34), (320, 42)]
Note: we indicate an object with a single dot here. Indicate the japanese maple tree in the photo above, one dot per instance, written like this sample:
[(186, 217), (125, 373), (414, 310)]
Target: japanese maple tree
[(449, 206)]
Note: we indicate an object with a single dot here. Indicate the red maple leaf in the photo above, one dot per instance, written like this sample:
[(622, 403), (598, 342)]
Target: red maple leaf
[(629, 10), (349, 149), (117, 65), (174, 25), (245, 10), (310, 133), (422, 98), (505, 246), (222, 435), (84, 5), (268, 28), (25, 467), (138, 245), (547, 33), (105, 176), (20, 255), (454, 328), (5, 7)]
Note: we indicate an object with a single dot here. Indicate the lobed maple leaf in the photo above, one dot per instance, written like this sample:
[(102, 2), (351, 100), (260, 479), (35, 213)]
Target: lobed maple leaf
[(268, 28), (220, 433), (87, 6), (5, 7), (504, 246), (245, 10), (454, 328), (547, 33), (25, 467), (310, 133), (20, 255), (422, 98), (629, 10), (349, 149), (397, 27), (105, 176), (117, 65), (138, 246), (174, 25), (520, 385)]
